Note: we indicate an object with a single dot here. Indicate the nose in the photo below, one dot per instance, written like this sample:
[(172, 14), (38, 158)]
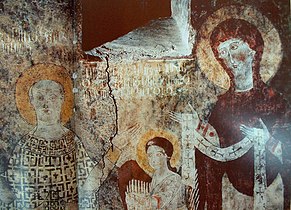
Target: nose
[(45, 104), (230, 57)]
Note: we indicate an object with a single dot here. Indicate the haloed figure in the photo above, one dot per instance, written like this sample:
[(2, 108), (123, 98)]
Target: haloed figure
[(249, 107), (166, 189), (42, 169), (164, 181), (46, 176), (238, 56)]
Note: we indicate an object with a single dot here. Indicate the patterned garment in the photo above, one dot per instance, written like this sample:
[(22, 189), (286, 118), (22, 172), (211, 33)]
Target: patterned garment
[(43, 173), (169, 193)]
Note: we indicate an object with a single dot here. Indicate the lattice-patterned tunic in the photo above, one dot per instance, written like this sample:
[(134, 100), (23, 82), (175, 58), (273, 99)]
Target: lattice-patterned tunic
[(43, 174)]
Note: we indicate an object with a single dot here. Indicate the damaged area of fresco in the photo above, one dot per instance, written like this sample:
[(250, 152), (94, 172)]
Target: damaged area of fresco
[(36, 28), (19, 40), (142, 79), (237, 129), (94, 102), (158, 127)]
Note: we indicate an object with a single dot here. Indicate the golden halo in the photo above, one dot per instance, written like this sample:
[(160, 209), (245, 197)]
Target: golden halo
[(272, 54), (141, 156), (43, 72)]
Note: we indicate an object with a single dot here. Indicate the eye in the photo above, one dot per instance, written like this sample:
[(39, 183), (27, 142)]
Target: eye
[(234, 46), (222, 53), (54, 97), (40, 98)]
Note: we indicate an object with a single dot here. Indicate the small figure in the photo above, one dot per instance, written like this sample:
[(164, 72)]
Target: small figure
[(166, 188)]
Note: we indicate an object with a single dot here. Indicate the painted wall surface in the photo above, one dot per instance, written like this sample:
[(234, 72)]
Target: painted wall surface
[(38, 145), (145, 124), (207, 130)]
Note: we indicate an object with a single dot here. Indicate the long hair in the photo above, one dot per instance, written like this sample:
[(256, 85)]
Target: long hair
[(166, 145)]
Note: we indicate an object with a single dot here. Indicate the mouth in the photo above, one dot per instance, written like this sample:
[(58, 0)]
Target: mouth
[(234, 66), (47, 111)]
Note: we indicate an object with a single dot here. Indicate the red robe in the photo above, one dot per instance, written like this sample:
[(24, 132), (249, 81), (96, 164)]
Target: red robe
[(231, 111)]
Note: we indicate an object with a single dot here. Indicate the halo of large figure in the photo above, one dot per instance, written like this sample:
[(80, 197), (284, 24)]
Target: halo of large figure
[(244, 48)]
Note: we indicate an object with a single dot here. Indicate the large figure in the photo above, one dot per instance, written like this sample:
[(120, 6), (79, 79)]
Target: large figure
[(49, 164), (247, 109)]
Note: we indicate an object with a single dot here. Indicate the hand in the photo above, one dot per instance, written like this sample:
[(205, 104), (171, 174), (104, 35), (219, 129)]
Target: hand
[(133, 199), (182, 117), (122, 139), (252, 133)]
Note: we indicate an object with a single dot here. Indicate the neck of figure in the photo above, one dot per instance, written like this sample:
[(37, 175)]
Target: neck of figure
[(161, 173), (49, 130), (245, 83)]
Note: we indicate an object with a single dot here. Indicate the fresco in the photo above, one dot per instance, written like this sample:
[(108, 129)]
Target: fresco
[(36, 63), (49, 165), (166, 188), (211, 121), (241, 54), (190, 111)]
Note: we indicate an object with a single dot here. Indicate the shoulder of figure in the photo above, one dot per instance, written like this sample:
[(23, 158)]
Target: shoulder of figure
[(174, 176)]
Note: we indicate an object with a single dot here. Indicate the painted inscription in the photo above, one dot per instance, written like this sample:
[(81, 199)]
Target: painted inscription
[(19, 40), (142, 79)]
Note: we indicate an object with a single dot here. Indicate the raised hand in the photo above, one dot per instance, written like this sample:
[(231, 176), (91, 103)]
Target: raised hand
[(122, 139), (182, 117), (175, 116), (252, 132)]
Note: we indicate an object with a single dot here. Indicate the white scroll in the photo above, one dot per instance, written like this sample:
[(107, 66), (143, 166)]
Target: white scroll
[(260, 176), (192, 139)]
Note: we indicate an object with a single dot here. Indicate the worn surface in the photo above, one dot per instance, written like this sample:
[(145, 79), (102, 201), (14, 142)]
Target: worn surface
[(192, 102), (31, 33), (160, 118), (38, 162)]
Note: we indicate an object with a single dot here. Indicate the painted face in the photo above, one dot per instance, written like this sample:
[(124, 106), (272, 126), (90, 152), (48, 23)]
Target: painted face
[(238, 56), (47, 98), (157, 157)]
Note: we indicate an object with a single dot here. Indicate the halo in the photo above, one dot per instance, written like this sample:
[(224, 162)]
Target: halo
[(272, 54), (141, 155), (43, 72)]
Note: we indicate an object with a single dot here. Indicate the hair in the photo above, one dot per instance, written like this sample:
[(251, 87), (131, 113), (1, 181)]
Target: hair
[(166, 145), (240, 29), (31, 88)]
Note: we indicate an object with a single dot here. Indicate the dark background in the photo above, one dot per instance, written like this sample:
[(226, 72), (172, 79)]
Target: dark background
[(106, 20)]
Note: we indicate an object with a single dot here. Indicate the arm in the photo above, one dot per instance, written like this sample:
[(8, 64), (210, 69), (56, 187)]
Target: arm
[(269, 141), (192, 137)]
